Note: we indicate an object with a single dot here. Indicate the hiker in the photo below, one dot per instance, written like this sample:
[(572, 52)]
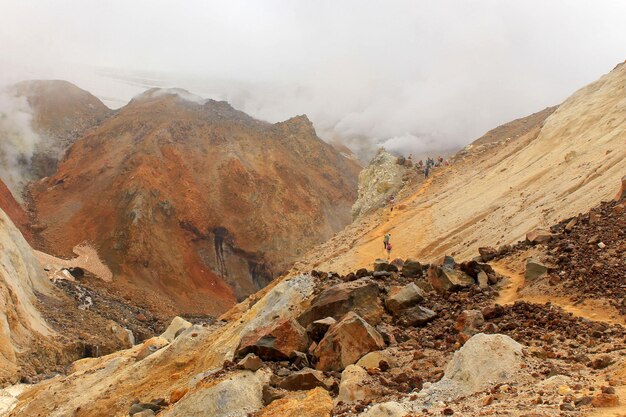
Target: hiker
[(392, 201), (388, 250), (386, 240), (426, 171)]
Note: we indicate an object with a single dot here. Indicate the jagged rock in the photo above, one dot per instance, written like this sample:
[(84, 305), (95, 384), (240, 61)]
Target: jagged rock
[(383, 266), (398, 262), (424, 285), (274, 342), (538, 236), (447, 261), (411, 268), (175, 327), (380, 179), (373, 359), (483, 361), (417, 316), (444, 279), (483, 279), (603, 400), (356, 385), (237, 395), (388, 409), (399, 298), (271, 394), (346, 342), (360, 296), (468, 323), (251, 362), (571, 224), (299, 360), (314, 403), (150, 346), (487, 253), (318, 328), (304, 380), (534, 269), (362, 273), (504, 249)]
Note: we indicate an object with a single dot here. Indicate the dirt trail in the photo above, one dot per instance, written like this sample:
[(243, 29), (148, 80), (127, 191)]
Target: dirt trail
[(591, 309), (371, 246)]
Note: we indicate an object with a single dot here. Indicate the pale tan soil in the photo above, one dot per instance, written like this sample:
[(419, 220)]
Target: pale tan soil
[(87, 259)]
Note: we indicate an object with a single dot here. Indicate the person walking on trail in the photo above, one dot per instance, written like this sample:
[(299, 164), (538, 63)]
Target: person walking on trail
[(426, 171), (392, 202), (386, 240), (388, 250)]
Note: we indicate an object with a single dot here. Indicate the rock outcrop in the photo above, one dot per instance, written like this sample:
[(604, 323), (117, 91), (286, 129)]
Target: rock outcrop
[(381, 179), (21, 276), (346, 342)]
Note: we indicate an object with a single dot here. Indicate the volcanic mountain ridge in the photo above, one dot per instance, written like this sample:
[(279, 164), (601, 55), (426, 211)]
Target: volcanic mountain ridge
[(195, 200)]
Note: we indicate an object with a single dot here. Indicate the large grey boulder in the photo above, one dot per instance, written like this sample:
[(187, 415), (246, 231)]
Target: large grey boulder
[(399, 298), (483, 361), (534, 269), (444, 279), (236, 396)]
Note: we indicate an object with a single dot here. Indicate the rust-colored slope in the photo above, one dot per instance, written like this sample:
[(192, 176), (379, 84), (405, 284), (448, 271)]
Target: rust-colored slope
[(199, 202), (16, 213)]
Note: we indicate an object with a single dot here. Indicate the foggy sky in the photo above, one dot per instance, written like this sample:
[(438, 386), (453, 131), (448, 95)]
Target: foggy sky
[(412, 75)]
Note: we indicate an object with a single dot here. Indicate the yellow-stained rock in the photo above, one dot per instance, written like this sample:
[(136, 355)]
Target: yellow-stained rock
[(314, 403)]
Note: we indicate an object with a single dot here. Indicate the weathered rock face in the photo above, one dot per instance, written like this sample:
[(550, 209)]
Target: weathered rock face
[(399, 298), (177, 325), (346, 342), (313, 403), (538, 236), (444, 279), (14, 210), (360, 296), (417, 316), (204, 205), (534, 269), (356, 385), (412, 268), (21, 276), (379, 180), (236, 396), (303, 380), (483, 361), (278, 341)]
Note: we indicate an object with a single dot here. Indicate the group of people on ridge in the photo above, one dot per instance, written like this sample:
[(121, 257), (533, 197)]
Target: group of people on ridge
[(430, 163)]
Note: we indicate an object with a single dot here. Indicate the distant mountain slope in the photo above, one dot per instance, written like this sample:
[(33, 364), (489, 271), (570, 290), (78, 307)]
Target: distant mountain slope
[(39, 120), (16, 213), (62, 113), (493, 195), (194, 199)]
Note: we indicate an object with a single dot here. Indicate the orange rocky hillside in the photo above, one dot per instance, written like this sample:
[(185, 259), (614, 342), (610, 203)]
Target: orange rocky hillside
[(16, 213), (195, 200), (527, 174)]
